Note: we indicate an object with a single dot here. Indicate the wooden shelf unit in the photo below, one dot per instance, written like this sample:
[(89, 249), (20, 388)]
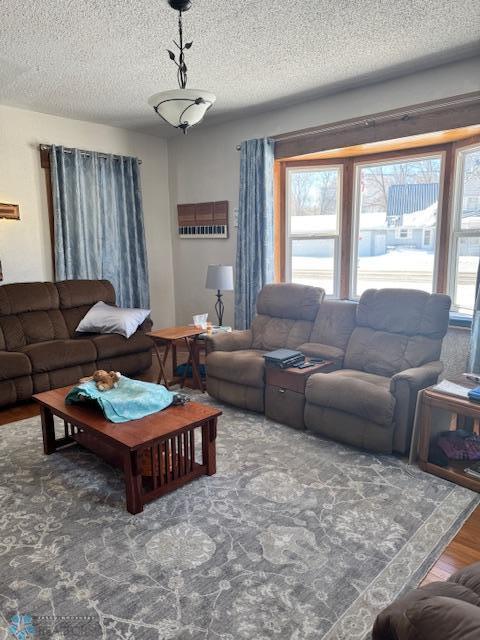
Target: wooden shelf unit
[(461, 407)]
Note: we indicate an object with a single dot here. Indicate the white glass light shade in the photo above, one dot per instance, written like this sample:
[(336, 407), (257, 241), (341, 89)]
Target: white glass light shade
[(182, 108), (220, 277)]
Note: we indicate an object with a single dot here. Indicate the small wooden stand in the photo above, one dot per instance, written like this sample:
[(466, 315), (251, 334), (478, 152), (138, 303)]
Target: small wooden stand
[(167, 339), (459, 406)]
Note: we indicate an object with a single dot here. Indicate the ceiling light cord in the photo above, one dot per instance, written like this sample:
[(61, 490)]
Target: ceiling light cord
[(182, 67)]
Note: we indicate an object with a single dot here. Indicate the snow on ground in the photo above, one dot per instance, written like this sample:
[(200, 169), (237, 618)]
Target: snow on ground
[(402, 268), (397, 260)]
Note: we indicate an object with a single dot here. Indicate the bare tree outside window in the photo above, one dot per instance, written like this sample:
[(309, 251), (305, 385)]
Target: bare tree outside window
[(314, 193)]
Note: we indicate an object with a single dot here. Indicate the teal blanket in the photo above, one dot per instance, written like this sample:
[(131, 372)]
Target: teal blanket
[(130, 400)]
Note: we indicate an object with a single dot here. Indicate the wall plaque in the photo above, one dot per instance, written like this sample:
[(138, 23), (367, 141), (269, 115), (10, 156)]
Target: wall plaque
[(9, 211), (203, 220)]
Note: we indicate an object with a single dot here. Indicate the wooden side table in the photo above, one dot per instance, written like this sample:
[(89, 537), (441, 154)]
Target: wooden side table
[(166, 339), (285, 392), (461, 407)]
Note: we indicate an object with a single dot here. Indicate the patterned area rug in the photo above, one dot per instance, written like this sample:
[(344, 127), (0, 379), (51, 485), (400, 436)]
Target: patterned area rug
[(294, 538)]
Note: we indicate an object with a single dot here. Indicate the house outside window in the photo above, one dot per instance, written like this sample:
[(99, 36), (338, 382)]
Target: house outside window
[(396, 255)]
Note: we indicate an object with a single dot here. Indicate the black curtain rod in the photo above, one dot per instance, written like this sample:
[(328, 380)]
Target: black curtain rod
[(47, 147)]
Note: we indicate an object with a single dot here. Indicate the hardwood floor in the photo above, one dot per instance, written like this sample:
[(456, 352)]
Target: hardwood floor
[(19, 412), (463, 550)]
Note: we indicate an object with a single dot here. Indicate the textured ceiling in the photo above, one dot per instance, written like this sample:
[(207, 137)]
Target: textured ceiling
[(99, 60)]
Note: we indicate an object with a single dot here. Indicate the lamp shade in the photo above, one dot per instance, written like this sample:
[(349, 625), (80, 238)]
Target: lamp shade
[(219, 277), (182, 108)]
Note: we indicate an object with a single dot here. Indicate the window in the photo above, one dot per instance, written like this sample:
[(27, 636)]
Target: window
[(465, 238), (313, 226), (409, 217), (427, 237), (396, 204), (403, 234)]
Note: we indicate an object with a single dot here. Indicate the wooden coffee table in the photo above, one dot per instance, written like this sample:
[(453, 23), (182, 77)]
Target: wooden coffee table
[(156, 453)]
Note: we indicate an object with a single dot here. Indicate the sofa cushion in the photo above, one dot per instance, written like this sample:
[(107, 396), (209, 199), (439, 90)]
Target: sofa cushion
[(294, 301), (285, 315), (24, 297), (355, 392), (113, 345), (334, 323), (397, 329), (241, 367), (29, 313), (406, 311), (57, 354), (30, 327), (84, 293), (271, 333), (385, 353), (14, 365)]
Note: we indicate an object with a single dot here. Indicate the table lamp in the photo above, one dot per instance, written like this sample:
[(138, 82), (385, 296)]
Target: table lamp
[(219, 277)]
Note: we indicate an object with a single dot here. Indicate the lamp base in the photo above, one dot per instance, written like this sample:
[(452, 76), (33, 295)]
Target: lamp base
[(219, 307)]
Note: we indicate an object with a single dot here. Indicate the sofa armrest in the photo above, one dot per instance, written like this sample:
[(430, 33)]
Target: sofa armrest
[(232, 341), (405, 386), (146, 325), (318, 350), (418, 377)]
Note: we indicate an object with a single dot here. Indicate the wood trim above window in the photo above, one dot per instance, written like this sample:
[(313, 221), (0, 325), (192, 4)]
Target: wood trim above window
[(438, 115)]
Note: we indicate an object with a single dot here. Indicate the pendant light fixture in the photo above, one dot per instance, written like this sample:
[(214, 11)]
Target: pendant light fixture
[(182, 108)]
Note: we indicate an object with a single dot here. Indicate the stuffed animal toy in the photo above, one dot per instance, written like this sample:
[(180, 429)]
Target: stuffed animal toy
[(105, 380)]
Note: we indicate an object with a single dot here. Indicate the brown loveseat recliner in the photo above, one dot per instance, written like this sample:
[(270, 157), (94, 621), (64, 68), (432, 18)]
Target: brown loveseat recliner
[(235, 363), (438, 611), (384, 349), (392, 353), (39, 347)]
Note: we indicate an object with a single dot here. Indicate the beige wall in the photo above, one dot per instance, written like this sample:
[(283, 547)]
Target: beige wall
[(25, 249), (204, 165)]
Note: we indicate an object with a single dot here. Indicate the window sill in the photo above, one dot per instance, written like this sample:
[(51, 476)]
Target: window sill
[(460, 320)]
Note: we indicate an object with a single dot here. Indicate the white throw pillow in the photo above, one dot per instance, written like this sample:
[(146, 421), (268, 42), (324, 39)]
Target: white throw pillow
[(103, 318)]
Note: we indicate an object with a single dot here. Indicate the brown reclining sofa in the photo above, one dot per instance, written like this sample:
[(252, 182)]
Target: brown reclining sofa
[(39, 347), (437, 611), (383, 349)]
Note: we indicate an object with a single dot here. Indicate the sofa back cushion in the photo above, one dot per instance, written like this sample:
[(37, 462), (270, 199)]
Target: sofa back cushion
[(29, 313), (397, 329), (334, 323), (285, 315), (78, 296)]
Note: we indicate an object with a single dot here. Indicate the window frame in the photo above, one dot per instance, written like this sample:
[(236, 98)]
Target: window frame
[(449, 143), (393, 158), (336, 237), (456, 232)]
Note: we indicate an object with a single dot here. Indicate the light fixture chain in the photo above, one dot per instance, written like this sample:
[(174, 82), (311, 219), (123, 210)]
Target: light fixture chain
[(182, 68)]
